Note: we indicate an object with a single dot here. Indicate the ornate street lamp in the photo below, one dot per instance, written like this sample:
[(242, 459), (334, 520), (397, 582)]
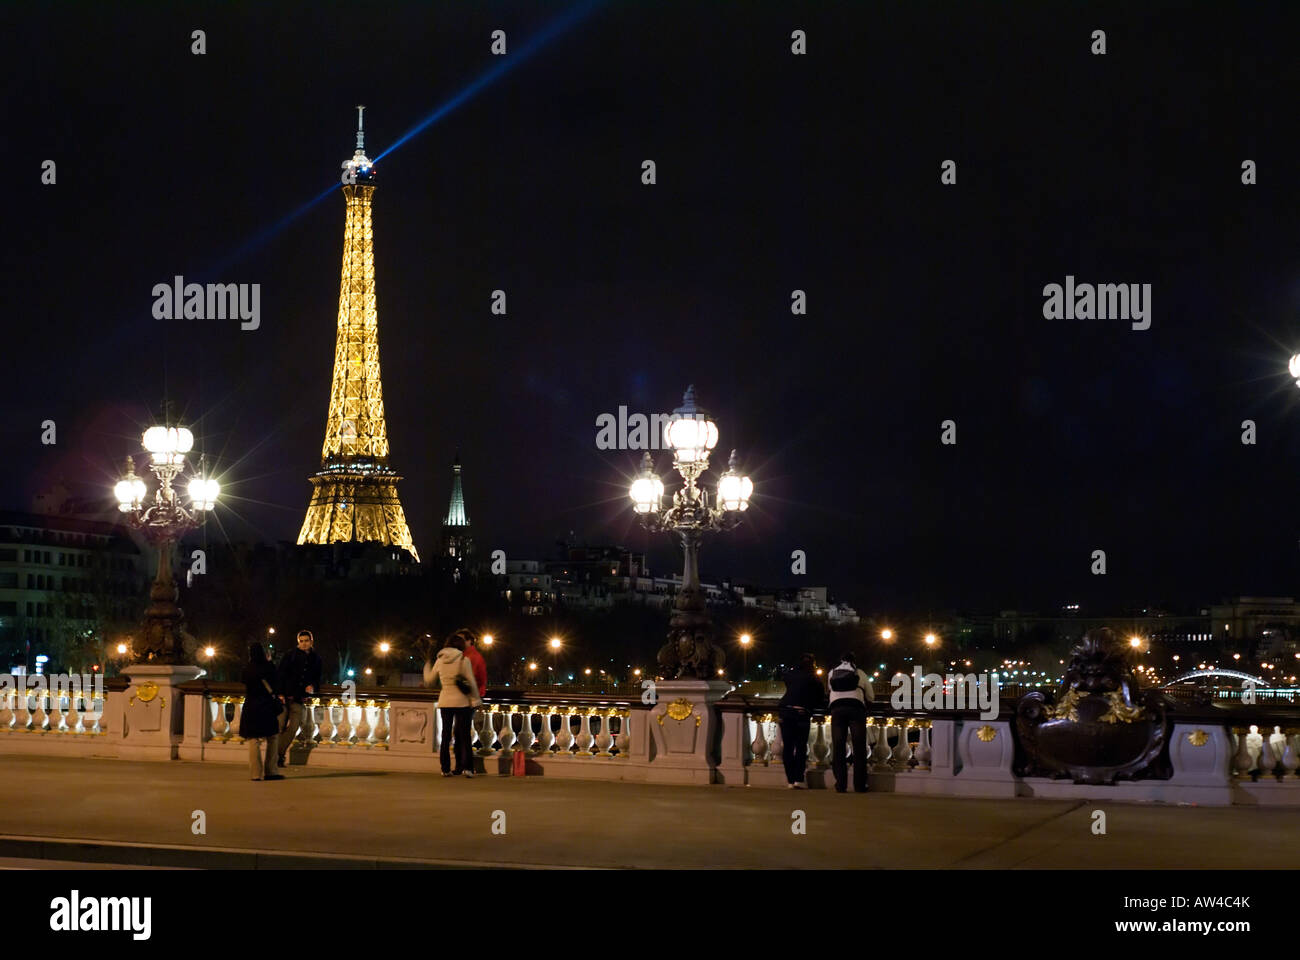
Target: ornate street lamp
[(690, 651), (163, 522)]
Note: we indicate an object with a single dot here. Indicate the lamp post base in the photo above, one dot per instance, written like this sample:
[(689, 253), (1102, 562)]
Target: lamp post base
[(690, 653)]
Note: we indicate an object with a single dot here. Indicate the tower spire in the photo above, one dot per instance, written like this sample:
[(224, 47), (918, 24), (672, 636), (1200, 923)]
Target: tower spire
[(361, 137), (354, 495), (456, 540)]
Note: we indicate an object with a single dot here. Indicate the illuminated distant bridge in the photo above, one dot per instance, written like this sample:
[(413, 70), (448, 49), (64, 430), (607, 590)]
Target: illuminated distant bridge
[(1235, 674)]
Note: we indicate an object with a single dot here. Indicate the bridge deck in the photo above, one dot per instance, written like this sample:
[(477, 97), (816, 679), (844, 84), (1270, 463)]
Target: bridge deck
[(373, 816)]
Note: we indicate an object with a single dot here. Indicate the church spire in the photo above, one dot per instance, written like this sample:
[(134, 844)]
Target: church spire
[(456, 540)]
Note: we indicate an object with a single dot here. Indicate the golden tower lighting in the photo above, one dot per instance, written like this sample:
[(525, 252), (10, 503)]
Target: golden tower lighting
[(354, 494)]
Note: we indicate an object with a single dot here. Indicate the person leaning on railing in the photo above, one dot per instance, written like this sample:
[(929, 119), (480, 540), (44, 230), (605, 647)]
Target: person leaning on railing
[(850, 692), (804, 693)]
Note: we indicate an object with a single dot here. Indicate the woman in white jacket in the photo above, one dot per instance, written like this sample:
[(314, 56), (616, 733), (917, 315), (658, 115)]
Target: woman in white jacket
[(456, 703)]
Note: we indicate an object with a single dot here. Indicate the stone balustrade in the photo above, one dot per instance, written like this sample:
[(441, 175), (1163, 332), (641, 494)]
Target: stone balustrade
[(78, 713), (697, 732), (957, 753)]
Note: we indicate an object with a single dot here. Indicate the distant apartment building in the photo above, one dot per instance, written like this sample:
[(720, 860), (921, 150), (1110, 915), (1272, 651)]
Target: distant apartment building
[(1271, 625), (1011, 627), (598, 578), (63, 575)]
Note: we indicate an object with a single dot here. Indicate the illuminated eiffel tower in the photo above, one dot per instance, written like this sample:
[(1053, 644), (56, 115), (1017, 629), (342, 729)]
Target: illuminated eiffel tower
[(354, 495)]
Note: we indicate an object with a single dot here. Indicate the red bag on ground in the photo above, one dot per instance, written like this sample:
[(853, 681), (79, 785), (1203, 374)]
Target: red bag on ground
[(520, 764)]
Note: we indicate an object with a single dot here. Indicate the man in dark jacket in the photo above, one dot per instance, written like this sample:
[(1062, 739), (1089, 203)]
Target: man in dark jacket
[(300, 671), (804, 693)]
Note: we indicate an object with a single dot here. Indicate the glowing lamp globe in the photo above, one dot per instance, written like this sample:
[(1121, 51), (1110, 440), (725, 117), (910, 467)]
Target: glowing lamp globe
[(1294, 367), (691, 433), (129, 492), (647, 490), (734, 490), (168, 444), (203, 493)]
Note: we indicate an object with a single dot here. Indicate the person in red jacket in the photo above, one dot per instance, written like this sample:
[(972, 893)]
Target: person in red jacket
[(477, 662)]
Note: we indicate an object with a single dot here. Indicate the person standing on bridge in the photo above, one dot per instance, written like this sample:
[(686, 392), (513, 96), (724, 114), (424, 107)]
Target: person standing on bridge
[(456, 702), (300, 671), (258, 721), (804, 693), (850, 692), (475, 657)]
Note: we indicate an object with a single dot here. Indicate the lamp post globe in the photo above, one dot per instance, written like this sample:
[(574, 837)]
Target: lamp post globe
[(163, 521), (691, 435)]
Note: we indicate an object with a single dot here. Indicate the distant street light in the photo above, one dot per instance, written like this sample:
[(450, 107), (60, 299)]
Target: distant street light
[(886, 634), (488, 639)]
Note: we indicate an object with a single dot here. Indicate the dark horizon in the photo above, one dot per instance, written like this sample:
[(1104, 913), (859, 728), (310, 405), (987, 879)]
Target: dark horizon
[(775, 172)]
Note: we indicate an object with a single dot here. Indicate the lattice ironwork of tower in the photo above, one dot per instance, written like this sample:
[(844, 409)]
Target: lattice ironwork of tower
[(354, 494)]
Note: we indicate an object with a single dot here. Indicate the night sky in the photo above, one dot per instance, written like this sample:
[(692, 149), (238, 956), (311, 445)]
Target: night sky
[(775, 172)]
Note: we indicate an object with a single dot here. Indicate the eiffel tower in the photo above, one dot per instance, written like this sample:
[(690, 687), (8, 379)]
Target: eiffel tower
[(354, 495)]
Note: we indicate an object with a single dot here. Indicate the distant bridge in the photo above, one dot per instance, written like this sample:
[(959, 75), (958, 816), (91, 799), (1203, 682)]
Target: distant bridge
[(1235, 674)]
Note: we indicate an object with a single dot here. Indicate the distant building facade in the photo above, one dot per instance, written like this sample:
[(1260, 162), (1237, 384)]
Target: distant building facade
[(62, 576), (598, 578)]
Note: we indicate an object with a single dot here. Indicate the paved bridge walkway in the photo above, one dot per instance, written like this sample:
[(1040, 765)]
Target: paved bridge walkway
[(141, 813)]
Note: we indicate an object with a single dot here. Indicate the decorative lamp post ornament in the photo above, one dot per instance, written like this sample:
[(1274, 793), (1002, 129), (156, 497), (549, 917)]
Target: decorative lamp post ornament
[(163, 522), (690, 651)]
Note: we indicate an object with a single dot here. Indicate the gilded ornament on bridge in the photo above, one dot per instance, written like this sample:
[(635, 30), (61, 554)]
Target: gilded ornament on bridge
[(986, 733), (1120, 712), (1067, 708), (1198, 738), (145, 692), (1103, 726), (680, 709)]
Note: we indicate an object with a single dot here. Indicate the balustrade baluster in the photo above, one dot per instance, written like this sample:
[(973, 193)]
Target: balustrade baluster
[(623, 742), (881, 751), (1267, 761), (545, 736), (327, 728), (363, 724), (220, 726), (380, 737), (55, 724), (758, 747), (564, 739), (604, 740), (507, 737), (23, 710), (96, 727), (526, 738), (1288, 756), (484, 734), (6, 709), (73, 717), (923, 746), (39, 717), (584, 732), (1241, 760), (778, 744), (343, 729), (234, 721), (903, 751)]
